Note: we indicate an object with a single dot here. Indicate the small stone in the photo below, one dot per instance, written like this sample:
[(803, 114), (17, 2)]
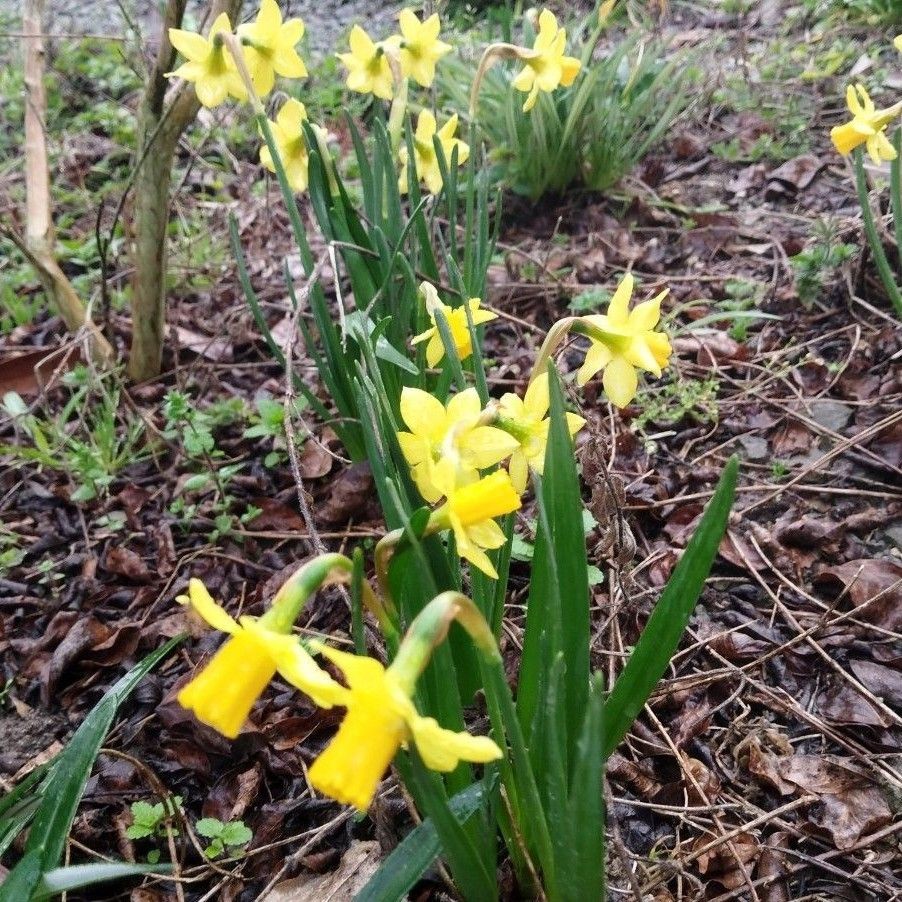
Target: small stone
[(833, 415)]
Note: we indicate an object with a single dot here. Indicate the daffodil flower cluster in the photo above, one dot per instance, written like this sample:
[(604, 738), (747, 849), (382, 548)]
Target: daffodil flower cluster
[(381, 716), (381, 68)]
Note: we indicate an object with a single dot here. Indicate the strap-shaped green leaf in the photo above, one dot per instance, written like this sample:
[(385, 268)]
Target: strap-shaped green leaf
[(665, 627), (62, 790), (418, 850)]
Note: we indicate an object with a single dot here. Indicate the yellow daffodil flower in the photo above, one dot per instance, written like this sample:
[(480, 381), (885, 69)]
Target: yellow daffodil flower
[(525, 419), (269, 47), (209, 64), (897, 43), (225, 690), (546, 66), (420, 49), (288, 133), (470, 511), (628, 343), (456, 318), (867, 127), (451, 433), (428, 168), (368, 69), (380, 719)]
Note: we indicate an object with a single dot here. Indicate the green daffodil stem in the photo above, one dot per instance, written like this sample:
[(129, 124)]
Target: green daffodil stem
[(896, 191), (430, 627), (398, 104), (870, 230), (493, 53), (323, 570), (294, 215), (553, 340)]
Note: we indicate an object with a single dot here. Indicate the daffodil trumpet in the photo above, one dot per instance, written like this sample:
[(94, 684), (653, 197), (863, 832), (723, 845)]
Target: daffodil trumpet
[(381, 717), (223, 692)]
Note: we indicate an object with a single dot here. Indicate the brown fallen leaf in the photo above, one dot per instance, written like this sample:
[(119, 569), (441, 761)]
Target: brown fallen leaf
[(793, 176), (772, 866), (85, 633), (349, 493), (873, 585), (125, 562), (275, 516), (205, 345), (849, 803), (314, 460), (357, 865), (29, 373), (844, 704), (720, 863)]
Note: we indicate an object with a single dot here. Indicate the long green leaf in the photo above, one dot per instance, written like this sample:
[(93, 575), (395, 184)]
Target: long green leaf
[(665, 627), (418, 850), (558, 604), (61, 880), (585, 870), (65, 783), (474, 876)]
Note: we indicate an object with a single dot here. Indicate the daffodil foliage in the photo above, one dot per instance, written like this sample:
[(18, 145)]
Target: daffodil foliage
[(458, 449)]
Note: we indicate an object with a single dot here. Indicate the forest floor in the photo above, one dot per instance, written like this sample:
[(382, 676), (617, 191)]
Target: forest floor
[(768, 764)]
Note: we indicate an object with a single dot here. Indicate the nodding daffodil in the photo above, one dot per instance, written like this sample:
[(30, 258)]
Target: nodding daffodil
[(546, 66), (470, 511), (209, 64), (525, 420), (419, 47), (452, 434), (225, 690), (428, 168), (288, 132), (456, 317), (368, 68), (269, 47), (625, 341), (868, 126), (380, 719)]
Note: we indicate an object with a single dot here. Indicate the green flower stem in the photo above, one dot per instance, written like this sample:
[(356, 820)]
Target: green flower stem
[(870, 230), (517, 774), (896, 190), (294, 215), (323, 570), (430, 627), (291, 598)]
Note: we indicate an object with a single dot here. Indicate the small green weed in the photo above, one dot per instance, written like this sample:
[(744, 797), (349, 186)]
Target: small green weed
[(815, 266), (149, 822), (232, 837), (89, 439), (666, 406)]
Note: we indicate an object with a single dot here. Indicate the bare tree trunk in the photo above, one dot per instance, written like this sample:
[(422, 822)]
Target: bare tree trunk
[(159, 129), (39, 232)]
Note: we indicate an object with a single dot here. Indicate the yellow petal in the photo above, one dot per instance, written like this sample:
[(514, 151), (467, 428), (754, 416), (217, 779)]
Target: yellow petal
[(620, 382), (435, 350), (846, 138), (597, 358), (191, 46), (618, 308), (350, 768), (518, 469), (223, 693), (536, 400), (486, 446), (464, 405), (423, 414), (897, 43), (443, 750), (296, 666), (212, 613), (644, 317)]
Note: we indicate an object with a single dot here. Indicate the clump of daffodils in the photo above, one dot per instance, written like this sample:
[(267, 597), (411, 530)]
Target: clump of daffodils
[(380, 714)]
